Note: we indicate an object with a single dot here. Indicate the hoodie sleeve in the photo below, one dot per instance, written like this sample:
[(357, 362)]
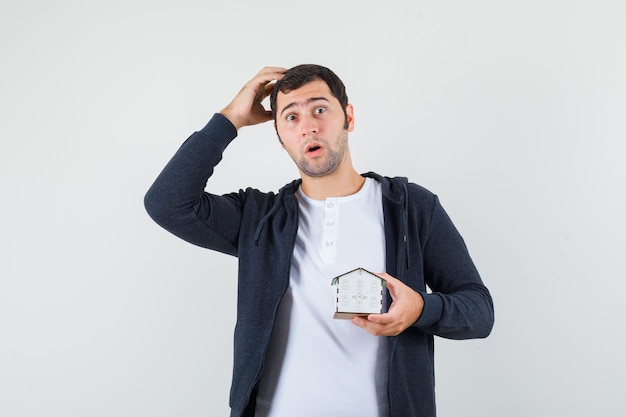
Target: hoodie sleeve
[(460, 306), (177, 200)]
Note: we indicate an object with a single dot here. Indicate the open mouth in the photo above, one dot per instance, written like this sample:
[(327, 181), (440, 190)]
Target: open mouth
[(313, 148)]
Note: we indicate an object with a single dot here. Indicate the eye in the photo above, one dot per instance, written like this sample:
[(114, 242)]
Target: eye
[(290, 117), (319, 110)]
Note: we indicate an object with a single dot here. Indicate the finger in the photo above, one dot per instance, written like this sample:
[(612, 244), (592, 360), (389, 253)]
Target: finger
[(268, 116), (394, 285), (383, 275), (388, 278), (365, 324), (359, 321), (267, 90), (375, 329), (273, 69), (382, 319), (268, 74), (264, 85)]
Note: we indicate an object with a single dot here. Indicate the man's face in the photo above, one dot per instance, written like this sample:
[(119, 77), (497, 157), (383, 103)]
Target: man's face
[(311, 127)]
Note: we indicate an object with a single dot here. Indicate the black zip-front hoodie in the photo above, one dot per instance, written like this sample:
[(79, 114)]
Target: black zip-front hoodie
[(423, 248)]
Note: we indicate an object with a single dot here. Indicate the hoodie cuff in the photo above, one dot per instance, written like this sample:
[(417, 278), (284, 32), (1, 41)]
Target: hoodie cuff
[(220, 129), (431, 313)]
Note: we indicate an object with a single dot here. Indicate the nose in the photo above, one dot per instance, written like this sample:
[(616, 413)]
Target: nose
[(308, 125)]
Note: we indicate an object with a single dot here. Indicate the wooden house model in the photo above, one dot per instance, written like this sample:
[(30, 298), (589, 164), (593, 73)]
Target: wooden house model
[(359, 293)]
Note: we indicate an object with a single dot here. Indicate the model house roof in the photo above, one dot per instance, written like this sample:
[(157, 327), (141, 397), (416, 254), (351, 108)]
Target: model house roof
[(357, 271), (359, 293)]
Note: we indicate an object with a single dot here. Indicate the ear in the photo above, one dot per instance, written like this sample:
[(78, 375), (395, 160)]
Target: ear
[(350, 117)]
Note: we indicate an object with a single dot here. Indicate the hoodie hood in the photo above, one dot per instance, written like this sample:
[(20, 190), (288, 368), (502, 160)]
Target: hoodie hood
[(396, 190)]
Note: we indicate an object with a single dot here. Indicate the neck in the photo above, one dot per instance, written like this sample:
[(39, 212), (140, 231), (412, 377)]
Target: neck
[(337, 184)]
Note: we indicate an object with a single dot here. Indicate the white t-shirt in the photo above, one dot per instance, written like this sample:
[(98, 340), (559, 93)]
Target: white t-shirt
[(316, 365)]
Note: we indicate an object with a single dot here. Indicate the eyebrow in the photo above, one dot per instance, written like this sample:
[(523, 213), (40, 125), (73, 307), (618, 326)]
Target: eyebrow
[(300, 103)]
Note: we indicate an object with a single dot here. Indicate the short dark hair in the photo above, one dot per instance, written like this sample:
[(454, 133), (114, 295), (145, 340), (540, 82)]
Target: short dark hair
[(300, 75)]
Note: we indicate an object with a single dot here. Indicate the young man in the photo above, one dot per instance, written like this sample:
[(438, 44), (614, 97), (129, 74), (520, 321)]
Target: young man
[(291, 357)]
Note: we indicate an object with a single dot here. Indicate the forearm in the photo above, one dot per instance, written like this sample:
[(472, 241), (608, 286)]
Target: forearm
[(460, 305), (176, 200), (465, 314)]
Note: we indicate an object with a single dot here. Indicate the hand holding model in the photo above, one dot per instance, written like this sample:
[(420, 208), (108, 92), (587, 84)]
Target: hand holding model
[(405, 309)]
